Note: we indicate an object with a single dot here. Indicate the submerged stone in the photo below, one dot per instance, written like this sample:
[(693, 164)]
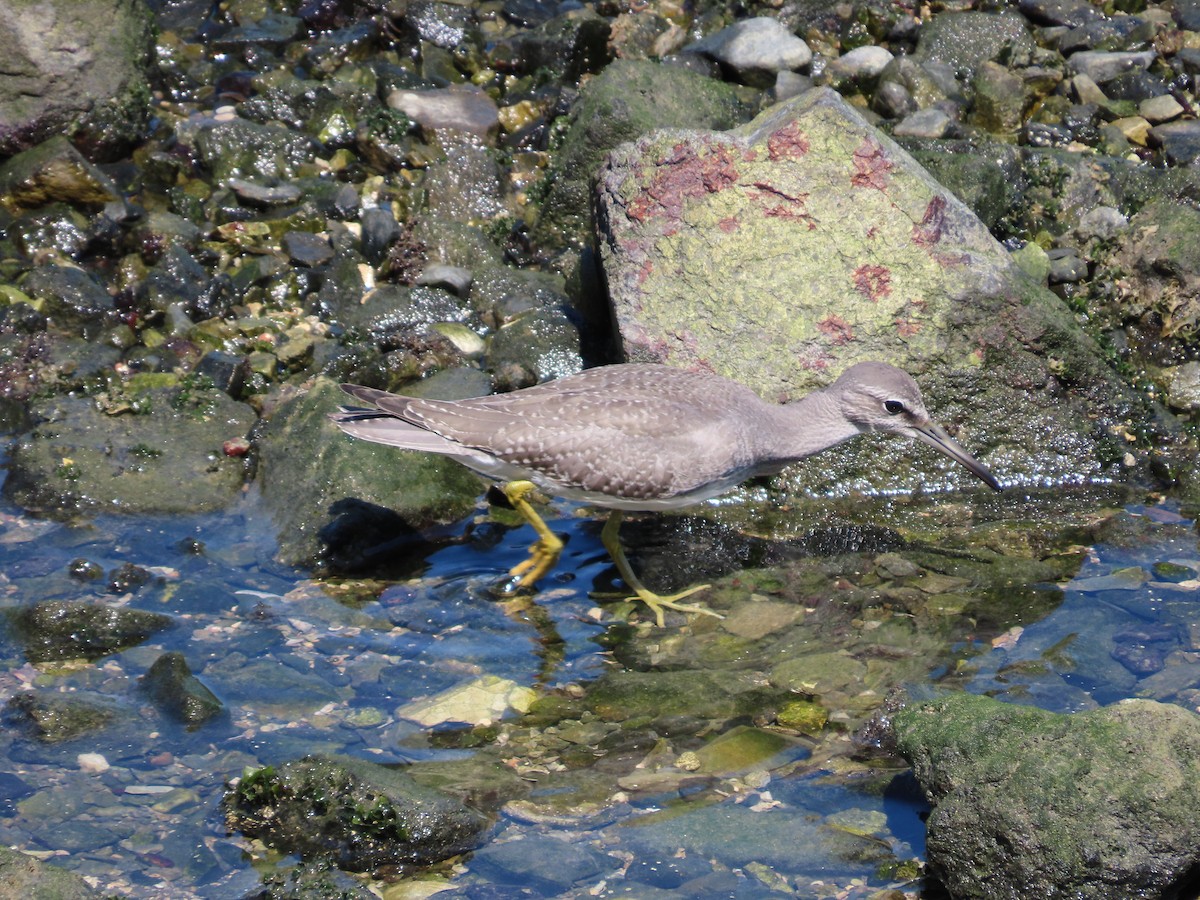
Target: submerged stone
[(26, 876), (177, 692), (744, 749), (62, 629), (53, 718), (53, 171), (157, 450)]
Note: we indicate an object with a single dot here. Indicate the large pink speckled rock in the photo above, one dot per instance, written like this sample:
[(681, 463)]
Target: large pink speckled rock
[(786, 250)]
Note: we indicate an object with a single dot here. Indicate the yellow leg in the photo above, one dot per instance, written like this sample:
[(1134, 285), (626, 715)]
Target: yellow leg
[(612, 543), (544, 552)]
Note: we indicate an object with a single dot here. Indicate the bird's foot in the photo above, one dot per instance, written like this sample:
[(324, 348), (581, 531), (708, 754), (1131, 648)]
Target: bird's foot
[(658, 603), (525, 573), (543, 553)]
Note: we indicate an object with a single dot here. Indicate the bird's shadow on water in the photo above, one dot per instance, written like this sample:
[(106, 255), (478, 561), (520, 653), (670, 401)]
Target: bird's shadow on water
[(365, 538)]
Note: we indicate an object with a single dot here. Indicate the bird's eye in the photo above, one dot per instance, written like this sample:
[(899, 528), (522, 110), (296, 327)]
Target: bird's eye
[(895, 407)]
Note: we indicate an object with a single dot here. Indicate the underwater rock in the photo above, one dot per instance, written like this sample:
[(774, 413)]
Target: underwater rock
[(63, 629), (177, 692)]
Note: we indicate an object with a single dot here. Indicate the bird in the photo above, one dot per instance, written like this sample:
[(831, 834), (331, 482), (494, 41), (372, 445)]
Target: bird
[(642, 436)]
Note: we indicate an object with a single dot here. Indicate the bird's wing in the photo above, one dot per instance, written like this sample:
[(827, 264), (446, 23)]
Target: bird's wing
[(383, 428), (630, 446)]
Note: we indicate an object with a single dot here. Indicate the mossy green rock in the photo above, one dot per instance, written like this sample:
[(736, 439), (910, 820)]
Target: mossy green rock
[(360, 815), (626, 100), (162, 453), (306, 465), (31, 879), (1033, 804), (53, 718), (621, 696)]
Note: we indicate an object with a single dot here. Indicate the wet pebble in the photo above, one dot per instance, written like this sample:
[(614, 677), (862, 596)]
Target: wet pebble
[(1160, 109), (128, 577), (263, 195), (925, 123), (1066, 265), (893, 101), (1102, 67), (458, 108), (307, 249), (454, 278), (864, 62), (1144, 651), (1070, 13), (1180, 141)]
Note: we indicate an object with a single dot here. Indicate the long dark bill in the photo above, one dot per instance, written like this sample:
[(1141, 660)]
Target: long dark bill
[(936, 437)]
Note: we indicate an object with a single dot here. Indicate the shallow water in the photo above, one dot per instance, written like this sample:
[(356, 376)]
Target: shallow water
[(306, 667)]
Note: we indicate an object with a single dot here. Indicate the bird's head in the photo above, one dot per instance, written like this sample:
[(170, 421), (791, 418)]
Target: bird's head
[(874, 396)]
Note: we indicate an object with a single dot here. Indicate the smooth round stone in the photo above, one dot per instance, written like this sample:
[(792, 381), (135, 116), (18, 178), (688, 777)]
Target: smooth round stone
[(307, 249), (790, 84), (893, 101), (861, 62), (1160, 109), (1135, 128), (1101, 67), (455, 279), (925, 123), (464, 109), (1180, 141), (756, 44), (1086, 91), (1066, 266)]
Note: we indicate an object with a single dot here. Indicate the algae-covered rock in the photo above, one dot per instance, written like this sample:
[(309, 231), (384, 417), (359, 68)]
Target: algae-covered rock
[(360, 815), (177, 692), (620, 696), (53, 718), (53, 171), (307, 465), (782, 252), (158, 451), (63, 629), (1033, 804), (479, 701)]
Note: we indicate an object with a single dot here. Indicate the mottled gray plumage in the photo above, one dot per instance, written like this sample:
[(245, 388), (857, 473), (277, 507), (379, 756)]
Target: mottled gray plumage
[(642, 437)]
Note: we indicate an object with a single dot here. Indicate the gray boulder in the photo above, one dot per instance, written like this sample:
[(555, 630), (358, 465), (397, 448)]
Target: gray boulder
[(79, 69)]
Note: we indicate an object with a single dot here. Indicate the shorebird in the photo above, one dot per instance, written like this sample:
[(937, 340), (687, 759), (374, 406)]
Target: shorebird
[(642, 437)]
